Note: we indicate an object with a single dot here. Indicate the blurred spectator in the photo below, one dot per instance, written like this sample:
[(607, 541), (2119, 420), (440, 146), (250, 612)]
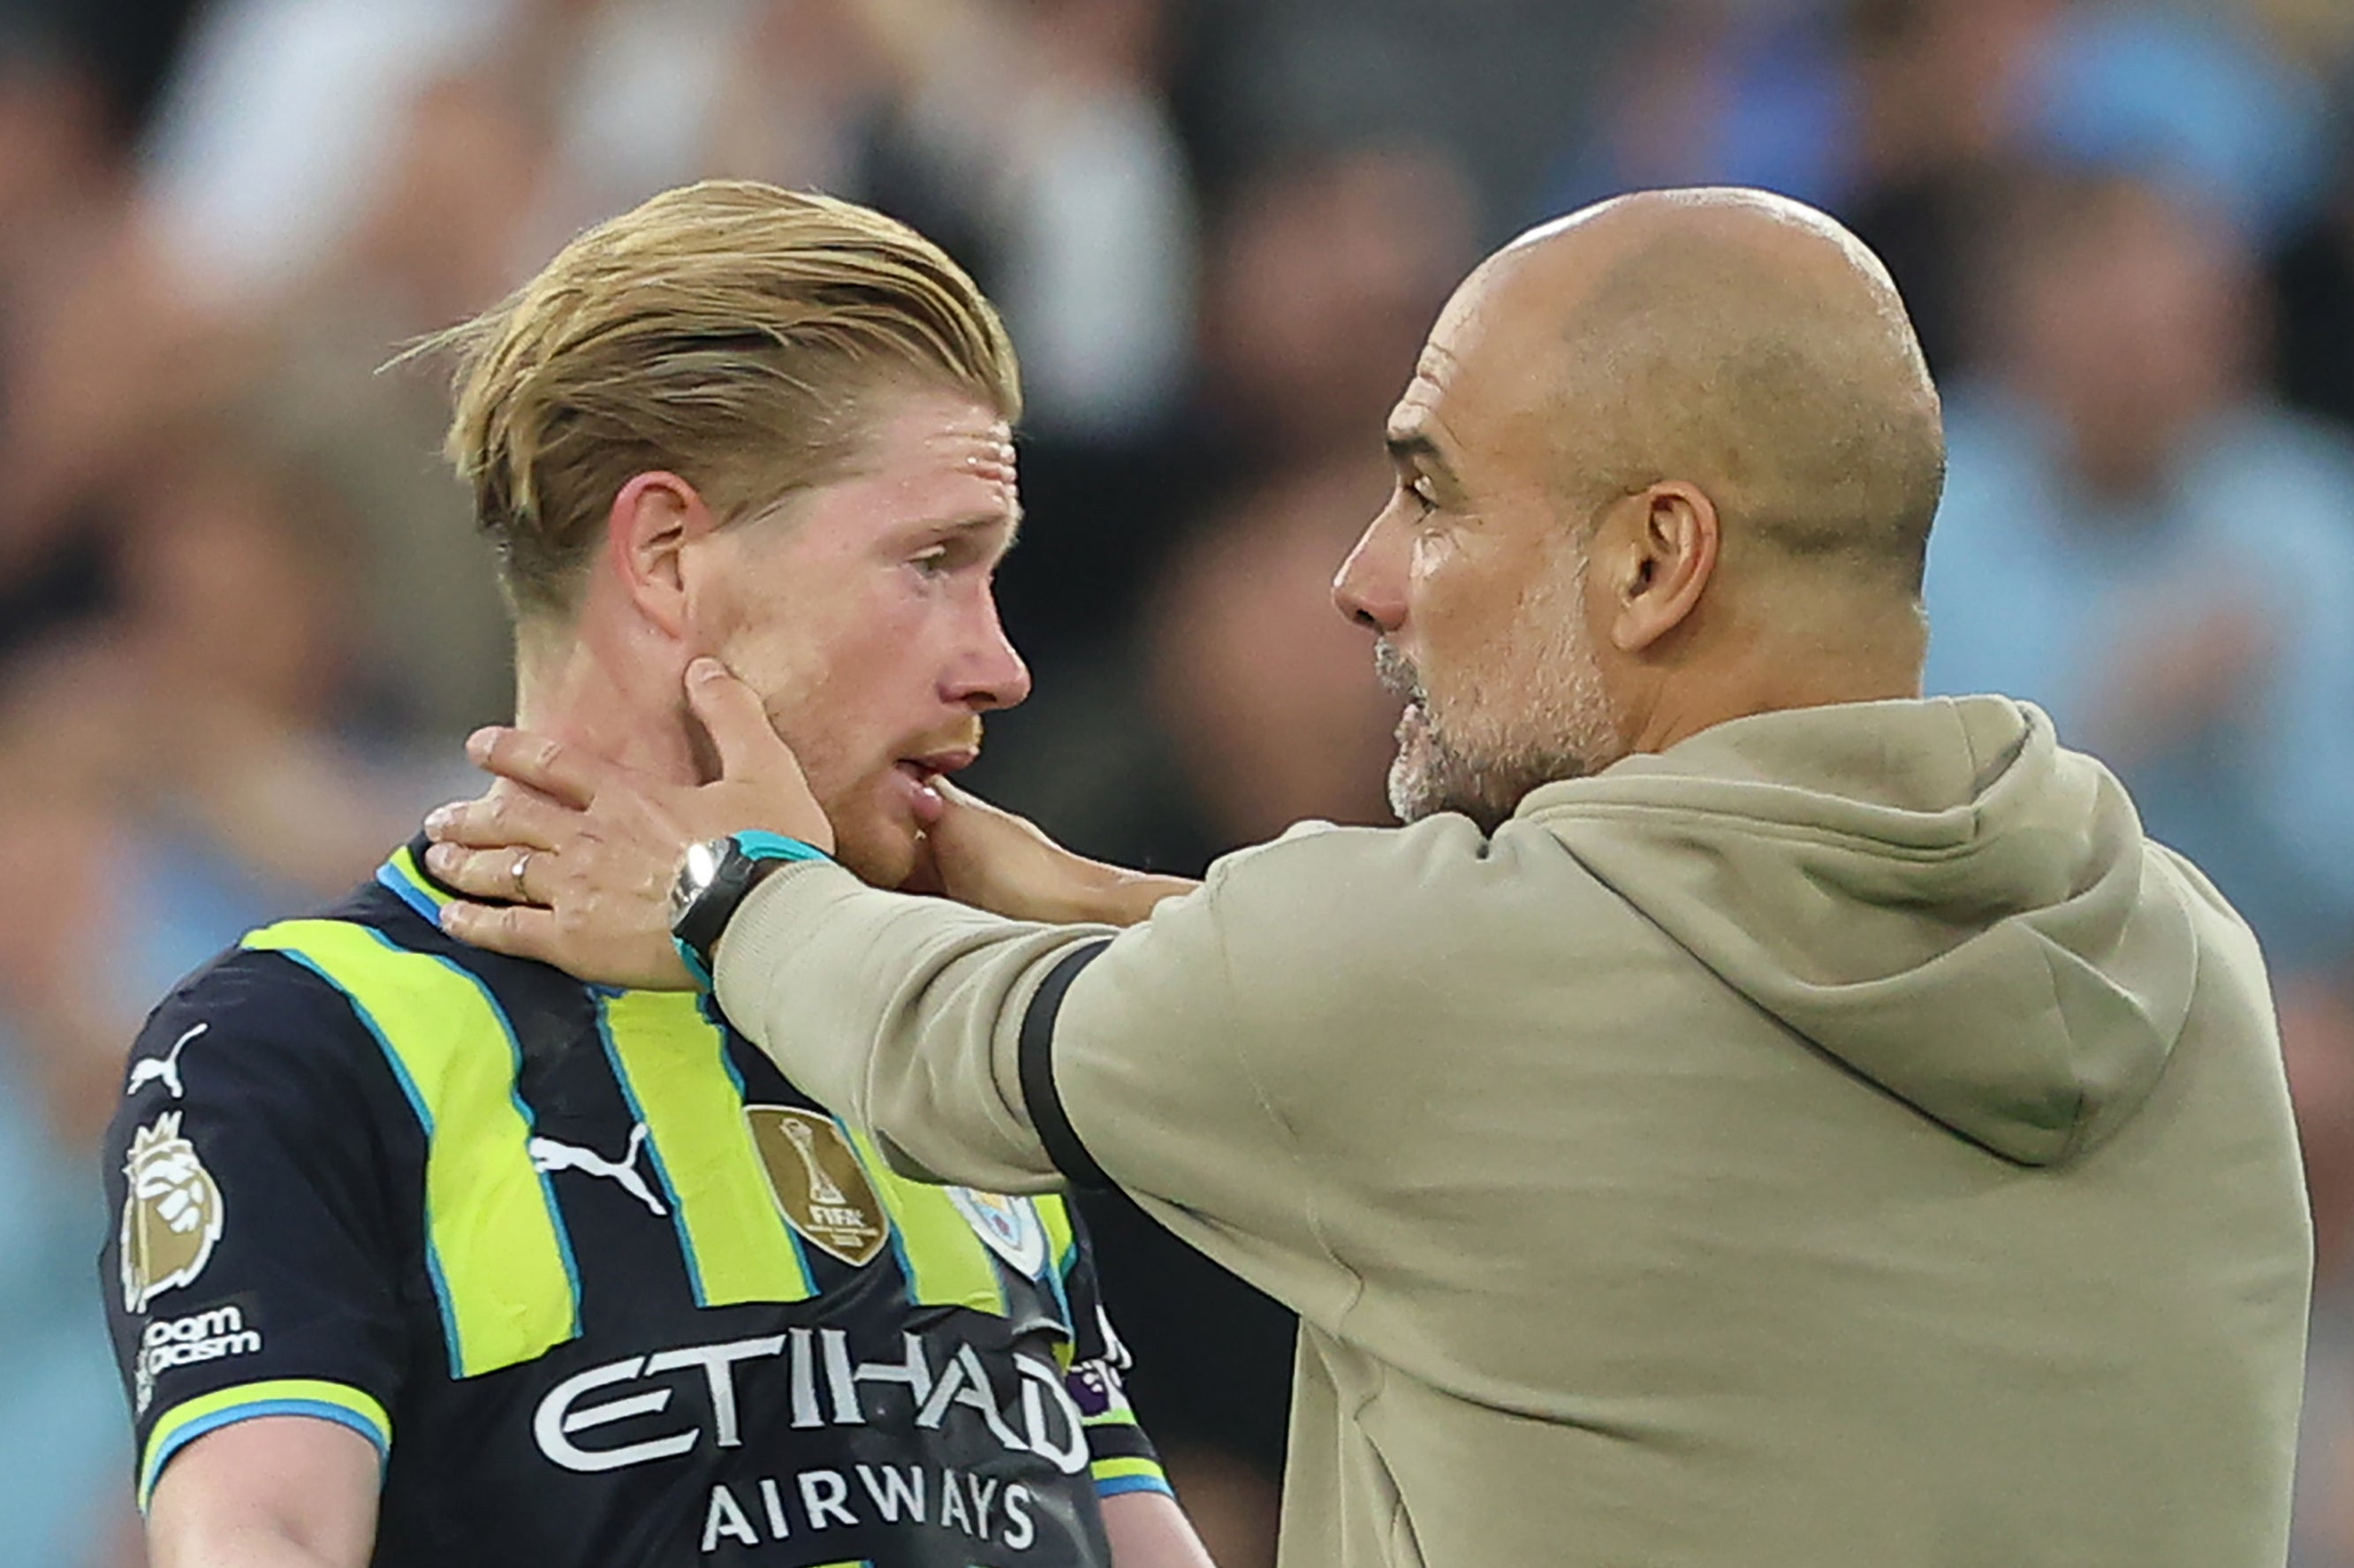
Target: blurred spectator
[(1325, 277), (244, 717), (1904, 115), (64, 1440), (2192, 91), (441, 237), (93, 345), (1495, 83), (1039, 126), (2135, 539), (283, 122), (2313, 282), (1942, 93), (1267, 693), (1036, 125)]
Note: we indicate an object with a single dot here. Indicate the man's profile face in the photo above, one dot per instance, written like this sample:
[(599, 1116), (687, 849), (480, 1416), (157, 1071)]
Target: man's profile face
[(1474, 579), (863, 614)]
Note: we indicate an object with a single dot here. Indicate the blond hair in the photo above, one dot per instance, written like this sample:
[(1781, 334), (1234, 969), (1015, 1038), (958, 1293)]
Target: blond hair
[(726, 331)]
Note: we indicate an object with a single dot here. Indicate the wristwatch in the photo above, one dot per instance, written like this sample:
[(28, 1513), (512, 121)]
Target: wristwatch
[(714, 880)]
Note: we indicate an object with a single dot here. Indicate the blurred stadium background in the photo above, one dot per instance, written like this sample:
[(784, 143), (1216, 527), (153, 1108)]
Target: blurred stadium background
[(243, 622)]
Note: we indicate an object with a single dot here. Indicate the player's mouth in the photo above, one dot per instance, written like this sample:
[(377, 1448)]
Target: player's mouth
[(932, 764), (919, 772)]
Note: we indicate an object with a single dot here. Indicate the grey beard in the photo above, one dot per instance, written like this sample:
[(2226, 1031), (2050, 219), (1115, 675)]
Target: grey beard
[(1488, 790), (1567, 734)]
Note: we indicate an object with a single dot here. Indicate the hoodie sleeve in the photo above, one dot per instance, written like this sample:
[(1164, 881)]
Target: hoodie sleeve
[(1177, 1059)]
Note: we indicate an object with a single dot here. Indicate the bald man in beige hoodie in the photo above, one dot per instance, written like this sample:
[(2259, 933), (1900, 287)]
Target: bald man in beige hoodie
[(1749, 1116)]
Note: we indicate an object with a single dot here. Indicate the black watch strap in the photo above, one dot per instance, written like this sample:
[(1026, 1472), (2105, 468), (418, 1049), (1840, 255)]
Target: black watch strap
[(750, 860)]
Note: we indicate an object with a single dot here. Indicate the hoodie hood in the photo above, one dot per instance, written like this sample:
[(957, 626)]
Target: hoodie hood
[(1936, 892)]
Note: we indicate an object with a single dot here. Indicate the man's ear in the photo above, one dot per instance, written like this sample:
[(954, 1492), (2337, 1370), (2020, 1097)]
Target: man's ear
[(1660, 547), (654, 517)]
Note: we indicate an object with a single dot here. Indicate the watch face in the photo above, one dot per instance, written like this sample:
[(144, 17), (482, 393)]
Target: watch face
[(696, 874)]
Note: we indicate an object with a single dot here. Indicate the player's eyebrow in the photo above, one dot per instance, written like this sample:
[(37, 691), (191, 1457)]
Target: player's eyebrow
[(983, 522)]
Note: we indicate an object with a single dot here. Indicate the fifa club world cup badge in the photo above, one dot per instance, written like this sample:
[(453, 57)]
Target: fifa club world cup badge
[(819, 1182), (171, 1214), (1010, 1227)]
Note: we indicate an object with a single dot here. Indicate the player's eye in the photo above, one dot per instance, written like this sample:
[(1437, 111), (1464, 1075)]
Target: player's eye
[(933, 563), (1423, 496)]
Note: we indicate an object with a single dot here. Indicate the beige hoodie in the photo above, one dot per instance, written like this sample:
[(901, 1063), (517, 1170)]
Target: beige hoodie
[(1839, 1139)]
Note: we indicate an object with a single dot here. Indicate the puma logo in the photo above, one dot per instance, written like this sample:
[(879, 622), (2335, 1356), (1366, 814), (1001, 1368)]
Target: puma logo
[(547, 1154), (164, 1069)]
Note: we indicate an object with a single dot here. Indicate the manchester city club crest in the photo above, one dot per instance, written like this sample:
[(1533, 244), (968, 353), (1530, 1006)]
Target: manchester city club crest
[(171, 1214), (819, 1182), (1010, 1227)]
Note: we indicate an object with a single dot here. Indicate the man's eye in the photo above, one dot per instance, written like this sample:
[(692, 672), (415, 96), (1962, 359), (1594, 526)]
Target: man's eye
[(932, 563), (1420, 490)]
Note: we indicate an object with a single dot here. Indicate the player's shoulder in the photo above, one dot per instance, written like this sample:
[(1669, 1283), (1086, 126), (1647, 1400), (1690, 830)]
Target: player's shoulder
[(267, 1002)]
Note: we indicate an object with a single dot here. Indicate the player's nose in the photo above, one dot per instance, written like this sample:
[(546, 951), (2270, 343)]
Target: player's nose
[(991, 673)]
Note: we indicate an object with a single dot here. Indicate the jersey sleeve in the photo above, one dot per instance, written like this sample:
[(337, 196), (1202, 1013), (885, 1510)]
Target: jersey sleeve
[(1120, 1456), (251, 1268)]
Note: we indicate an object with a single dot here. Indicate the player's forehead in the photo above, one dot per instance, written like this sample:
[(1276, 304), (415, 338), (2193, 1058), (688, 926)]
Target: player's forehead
[(945, 438), (929, 461)]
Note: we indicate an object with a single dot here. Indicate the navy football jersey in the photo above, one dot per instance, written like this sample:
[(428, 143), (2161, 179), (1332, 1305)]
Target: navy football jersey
[(602, 1288)]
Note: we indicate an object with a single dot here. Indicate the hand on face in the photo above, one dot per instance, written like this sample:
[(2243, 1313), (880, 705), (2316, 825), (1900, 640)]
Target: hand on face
[(575, 870), (980, 854)]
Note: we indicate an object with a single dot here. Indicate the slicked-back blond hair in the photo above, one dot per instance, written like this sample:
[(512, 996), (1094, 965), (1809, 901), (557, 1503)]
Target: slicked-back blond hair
[(729, 332)]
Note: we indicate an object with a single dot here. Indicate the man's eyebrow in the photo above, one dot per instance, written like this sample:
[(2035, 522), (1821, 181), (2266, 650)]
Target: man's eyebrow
[(1416, 447), (983, 522)]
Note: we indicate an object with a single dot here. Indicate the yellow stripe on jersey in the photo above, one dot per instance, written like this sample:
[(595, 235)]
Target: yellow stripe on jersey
[(406, 877), (946, 1262), (1114, 1478), (1123, 1470), (495, 1246), (671, 1063), (184, 1424)]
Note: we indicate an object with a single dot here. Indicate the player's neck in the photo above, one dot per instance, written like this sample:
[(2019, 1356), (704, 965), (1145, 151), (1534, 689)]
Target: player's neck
[(620, 704)]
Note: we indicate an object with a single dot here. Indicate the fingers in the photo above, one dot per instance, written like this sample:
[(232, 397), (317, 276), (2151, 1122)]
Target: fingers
[(503, 819), (516, 929), (549, 766), (489, 873), (957, 798), (731, 711)]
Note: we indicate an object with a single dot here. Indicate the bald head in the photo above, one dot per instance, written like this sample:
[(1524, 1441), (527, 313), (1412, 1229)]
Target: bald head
[(1743, 343), (1662, 464)]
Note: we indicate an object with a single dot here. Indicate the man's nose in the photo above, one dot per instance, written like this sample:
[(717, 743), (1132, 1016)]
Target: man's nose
[(1370, 587), (992, 674)]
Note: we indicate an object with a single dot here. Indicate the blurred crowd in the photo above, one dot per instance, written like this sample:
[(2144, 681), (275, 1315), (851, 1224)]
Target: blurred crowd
[(244, 621)]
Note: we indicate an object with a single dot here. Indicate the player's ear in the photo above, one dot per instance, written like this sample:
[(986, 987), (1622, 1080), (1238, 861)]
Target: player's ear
[(655, 516)]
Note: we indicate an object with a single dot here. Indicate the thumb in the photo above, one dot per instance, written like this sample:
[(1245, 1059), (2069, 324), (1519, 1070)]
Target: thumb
[(732, 713), (961, 803)]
